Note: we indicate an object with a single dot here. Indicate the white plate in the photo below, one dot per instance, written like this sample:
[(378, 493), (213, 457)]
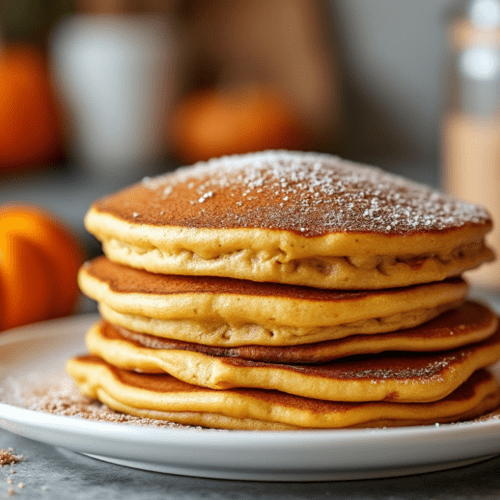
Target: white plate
[(250, 455)]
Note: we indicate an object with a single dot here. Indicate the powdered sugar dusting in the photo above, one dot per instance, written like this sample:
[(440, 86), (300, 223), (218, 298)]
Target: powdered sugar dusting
[(405, 368), (308, 193), (431, 370)]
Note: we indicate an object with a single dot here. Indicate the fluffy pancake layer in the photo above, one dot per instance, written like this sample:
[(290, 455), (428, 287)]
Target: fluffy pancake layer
[(296, 218), (226, 312), (401, 377), (164, 397), (470, 323)]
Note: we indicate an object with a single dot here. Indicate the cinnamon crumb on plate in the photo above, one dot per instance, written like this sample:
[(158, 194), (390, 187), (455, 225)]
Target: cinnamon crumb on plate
[(8, 458)]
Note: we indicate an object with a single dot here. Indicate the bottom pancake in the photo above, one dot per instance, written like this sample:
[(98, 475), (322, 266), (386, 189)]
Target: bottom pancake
[(166, 398)]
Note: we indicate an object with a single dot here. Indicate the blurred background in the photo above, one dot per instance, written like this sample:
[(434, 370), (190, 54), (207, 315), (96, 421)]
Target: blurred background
[(95, 95)]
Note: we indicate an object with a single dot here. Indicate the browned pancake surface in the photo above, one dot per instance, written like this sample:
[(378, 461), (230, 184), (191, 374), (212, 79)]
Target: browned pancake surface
[(308, 194)]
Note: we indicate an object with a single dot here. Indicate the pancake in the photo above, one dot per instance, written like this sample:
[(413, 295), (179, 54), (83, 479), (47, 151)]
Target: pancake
[(227, 312), (288, 217), (396, 377), (470, 323), (164, 397)]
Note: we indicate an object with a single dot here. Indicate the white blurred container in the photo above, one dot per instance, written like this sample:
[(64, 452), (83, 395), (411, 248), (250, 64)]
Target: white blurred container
[(116, 75)]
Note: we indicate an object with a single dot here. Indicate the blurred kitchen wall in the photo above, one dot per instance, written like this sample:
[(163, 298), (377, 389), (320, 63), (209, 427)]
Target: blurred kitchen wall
[(394, 56), (389, 59)]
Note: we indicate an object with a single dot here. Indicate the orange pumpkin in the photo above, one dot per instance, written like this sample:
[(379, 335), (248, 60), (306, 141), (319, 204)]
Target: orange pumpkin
[(39, 260), (29, 123), (214, 122)]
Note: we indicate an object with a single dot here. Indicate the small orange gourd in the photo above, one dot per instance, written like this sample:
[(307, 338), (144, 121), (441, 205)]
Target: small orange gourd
[(39, 261), (30, 131), (215, 122)]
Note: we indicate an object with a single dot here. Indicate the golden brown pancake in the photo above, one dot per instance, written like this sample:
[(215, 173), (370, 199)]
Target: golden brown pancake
[(227, 312), (401, 377), (470, 323), (164, 397), (289, 217)]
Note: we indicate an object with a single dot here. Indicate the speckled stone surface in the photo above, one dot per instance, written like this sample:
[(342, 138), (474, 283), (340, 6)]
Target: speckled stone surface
[(52, 473)]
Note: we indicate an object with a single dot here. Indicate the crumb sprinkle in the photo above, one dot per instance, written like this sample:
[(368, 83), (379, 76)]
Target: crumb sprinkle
[(59, 396), (8, 458)]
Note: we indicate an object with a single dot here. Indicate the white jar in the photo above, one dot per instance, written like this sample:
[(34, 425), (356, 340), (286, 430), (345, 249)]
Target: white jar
[(116, 76)]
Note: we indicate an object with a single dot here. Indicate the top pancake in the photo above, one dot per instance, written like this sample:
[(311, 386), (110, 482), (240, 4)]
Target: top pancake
[(297, 218)]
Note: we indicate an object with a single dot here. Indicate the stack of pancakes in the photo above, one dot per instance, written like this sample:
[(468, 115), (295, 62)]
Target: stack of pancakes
[(284, 290)]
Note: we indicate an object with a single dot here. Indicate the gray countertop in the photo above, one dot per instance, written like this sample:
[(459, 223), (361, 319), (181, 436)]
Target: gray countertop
[(52, 473)]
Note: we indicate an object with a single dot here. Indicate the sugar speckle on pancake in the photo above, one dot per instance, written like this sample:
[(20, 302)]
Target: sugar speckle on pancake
[(306, 193)]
